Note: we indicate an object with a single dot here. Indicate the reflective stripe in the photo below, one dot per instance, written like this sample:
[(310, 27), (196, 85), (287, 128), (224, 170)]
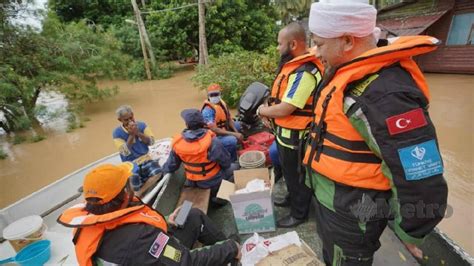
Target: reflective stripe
[(295, 85)]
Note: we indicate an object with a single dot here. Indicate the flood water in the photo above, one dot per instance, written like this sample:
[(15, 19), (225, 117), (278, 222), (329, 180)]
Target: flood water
[(31, 166)]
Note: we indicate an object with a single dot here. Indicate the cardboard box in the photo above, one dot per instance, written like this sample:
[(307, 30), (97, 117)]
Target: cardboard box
[(292, 255), (253, 212)]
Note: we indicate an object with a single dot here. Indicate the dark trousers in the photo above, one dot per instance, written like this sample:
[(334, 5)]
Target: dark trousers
[(293, 171), (346, 241), (198, 227)]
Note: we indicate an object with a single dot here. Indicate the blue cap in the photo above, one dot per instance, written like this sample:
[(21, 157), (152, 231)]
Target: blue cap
[(193, 118)]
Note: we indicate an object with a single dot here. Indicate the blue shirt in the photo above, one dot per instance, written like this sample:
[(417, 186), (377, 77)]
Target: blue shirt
[(137, 149), (209, 115)]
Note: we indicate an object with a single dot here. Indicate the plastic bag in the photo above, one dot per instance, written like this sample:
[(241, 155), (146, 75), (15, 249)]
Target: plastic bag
[(253, 250), (256, 247)]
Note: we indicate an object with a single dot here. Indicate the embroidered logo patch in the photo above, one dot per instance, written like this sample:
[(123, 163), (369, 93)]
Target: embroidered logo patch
[(405, 122), (421, 160), (172, 253), (158, 245)]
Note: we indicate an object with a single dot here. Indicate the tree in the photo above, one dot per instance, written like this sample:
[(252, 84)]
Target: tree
[(230, 25), (69, 58), (295, 9)]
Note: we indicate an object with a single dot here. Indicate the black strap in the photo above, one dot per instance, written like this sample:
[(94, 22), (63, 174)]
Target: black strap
[(302, 113), (197, 164), (76, 235), (294, 138), (350, 156), (348, 144), (321, 126), (203, 171)]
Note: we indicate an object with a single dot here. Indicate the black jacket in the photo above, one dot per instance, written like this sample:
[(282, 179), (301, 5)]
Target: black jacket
[(139, 244)]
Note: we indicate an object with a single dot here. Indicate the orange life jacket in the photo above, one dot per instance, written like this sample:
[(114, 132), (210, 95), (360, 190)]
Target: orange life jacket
[(222, 113), (337, 150), (300, 118), (89, 228), (194, 157)]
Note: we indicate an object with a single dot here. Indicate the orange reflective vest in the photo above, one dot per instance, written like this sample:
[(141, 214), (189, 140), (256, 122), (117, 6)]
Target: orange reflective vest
[(222, 113), (89, 228), (337, 150), (194, 157), (300, 118)]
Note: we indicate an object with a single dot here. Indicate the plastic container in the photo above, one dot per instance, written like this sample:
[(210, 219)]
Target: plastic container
[(252, 159), (24, 231), (36, 254)]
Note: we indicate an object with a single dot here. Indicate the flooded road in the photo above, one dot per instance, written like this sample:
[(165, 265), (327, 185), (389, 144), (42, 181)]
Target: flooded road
[(31, 166)]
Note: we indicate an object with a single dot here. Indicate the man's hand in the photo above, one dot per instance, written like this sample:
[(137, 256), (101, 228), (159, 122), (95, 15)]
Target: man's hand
[(172, 217), (266, 122), (132, 128), (414, 250)]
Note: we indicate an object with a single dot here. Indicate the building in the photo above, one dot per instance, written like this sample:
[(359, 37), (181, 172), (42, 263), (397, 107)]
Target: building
[(451, 21)]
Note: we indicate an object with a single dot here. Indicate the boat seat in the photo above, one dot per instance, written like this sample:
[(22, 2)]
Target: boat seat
[(149, 184), (198, 196)]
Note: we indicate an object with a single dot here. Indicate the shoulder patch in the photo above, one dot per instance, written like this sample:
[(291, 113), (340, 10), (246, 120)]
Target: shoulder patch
[(405, 122), (421, 160), (158, 245), (360, 88), (172, 253)]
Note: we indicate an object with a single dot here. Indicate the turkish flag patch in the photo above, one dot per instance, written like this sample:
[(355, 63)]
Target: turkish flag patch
[(405, 122)]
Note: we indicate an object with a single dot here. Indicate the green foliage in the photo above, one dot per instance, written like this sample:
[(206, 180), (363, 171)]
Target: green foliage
[(231, 26), (22, 123), (37, 138), (69, 58), (3, 154), (136, 71), (18, 139), (104, 12), (235, 71), (293, 10)]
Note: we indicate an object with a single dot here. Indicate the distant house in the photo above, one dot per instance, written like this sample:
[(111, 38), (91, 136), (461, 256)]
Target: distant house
[(451, 21)]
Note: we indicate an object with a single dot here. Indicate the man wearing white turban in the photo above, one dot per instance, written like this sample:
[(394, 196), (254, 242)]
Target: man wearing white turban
[(373, 152)]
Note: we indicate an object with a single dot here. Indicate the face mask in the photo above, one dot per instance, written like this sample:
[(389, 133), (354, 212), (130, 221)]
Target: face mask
[(215, 99)]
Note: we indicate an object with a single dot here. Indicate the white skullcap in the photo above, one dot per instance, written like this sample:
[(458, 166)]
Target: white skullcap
[(335, 18)]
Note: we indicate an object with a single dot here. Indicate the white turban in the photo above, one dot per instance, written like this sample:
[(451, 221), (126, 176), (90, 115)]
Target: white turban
[(335, 18)]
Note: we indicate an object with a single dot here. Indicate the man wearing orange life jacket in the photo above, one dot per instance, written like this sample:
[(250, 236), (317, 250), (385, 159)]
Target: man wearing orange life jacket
[(217, 117), (373, 151), (206, 161), (299, 72), (114, 228)]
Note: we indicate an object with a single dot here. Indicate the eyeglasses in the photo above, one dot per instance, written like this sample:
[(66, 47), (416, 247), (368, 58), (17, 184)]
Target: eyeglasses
[(214, 94)]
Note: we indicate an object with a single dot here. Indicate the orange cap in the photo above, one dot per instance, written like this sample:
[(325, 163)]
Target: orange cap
[(106, 181), (214, 87)]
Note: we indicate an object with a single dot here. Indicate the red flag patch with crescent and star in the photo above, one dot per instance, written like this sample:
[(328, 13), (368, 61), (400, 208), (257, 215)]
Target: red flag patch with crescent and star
[(405, 122)]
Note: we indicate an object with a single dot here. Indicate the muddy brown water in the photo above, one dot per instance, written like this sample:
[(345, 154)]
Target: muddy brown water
[(31, 166)]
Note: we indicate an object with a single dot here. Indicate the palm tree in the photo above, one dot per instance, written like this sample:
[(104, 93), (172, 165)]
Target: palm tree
[(293, 9)]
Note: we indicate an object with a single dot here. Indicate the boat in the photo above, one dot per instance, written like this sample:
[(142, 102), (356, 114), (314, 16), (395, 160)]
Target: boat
[(163, 192)]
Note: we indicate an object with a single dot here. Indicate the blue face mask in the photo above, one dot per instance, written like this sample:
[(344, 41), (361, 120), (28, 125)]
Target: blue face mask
[(215, 99)]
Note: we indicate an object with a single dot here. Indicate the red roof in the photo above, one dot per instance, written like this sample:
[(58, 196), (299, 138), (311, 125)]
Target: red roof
[(412, 25)]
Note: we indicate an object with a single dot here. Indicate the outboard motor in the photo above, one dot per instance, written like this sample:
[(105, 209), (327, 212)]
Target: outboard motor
[(255, 95)]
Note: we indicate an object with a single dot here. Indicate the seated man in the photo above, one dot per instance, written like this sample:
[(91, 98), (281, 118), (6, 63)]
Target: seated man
[(132, 139), (218, 119), (206, 161), (114, 228)]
